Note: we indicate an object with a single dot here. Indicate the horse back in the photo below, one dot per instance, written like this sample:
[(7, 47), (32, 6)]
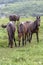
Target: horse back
[(11, 26)]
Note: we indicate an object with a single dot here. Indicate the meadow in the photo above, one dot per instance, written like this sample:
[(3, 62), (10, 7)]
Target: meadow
[(31, 54)]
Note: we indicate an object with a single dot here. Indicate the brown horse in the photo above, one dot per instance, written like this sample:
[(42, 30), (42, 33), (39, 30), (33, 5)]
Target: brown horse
[(11, 32), (33, 27), (14, 18), (22, 32)]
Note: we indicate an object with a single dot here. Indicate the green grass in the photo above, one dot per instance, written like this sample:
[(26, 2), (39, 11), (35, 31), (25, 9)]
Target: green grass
[(31, 54)]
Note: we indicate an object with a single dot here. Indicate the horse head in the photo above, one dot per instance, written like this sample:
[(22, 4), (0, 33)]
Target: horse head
[(38, 20)]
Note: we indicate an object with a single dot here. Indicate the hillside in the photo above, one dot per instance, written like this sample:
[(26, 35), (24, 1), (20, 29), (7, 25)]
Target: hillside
[(21, 7), (12, 1)]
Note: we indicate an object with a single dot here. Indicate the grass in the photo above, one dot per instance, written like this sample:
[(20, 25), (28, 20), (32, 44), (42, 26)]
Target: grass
[(31, 54)]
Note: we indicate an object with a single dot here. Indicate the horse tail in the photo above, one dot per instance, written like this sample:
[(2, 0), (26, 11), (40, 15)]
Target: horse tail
[(3, 26)]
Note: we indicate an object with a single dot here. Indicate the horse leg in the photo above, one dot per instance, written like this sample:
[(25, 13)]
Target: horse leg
[(37, 37), (27, 37), (23, 40), (19, 42), (30, 37), (19, 39), (11, 42), (15, 40)]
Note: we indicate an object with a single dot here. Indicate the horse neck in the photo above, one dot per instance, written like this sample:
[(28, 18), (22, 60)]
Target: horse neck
[(35, 24)]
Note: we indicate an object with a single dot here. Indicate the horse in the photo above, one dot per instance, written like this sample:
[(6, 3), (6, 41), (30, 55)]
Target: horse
[(11, 28), (33, 27), (14, 18), (22, 32)]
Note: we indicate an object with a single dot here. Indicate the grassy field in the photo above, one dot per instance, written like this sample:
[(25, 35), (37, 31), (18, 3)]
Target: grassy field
[(31, 54)]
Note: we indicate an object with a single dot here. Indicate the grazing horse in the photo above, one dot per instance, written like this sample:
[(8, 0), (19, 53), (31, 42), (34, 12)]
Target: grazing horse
[(22, 32), (11, 32), (15, 18), (33, 27)]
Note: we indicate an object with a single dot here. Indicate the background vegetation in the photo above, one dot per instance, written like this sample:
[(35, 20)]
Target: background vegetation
[(21, 7)]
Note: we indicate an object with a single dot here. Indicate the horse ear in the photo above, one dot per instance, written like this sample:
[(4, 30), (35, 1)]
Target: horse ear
[(38, 17)]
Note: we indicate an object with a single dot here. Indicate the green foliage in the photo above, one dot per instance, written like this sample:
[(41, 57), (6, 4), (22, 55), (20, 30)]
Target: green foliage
[(12, 1), (24, 8), (31, 54)]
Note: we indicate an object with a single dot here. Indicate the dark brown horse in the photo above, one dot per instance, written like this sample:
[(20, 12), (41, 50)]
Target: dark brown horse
[(22, 32), (11, 32), (33, 27), (14, 18)]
